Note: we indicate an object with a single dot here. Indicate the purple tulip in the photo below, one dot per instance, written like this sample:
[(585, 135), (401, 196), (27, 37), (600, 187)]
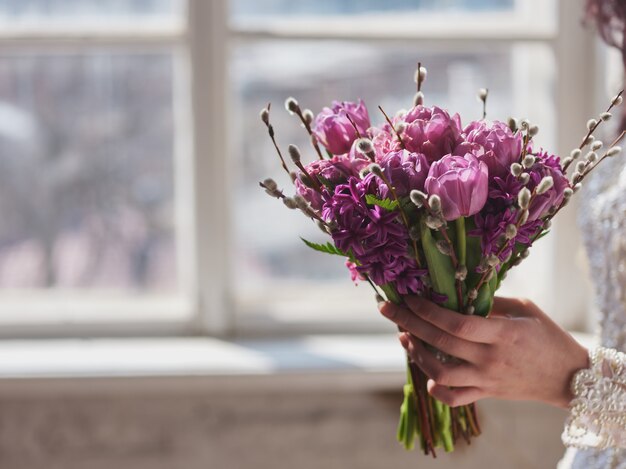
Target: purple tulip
[(335, 131), (461, 182), (501, 148), (405, 171), (432, 132)]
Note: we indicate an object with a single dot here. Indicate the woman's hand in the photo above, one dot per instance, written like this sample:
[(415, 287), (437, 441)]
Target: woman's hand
[(517, 353)]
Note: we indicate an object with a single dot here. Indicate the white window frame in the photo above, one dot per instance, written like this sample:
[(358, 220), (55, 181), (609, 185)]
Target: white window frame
[(202, 170)]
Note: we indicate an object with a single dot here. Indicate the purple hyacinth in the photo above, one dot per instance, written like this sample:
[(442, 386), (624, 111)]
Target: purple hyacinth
[(335, 171), (376, 237)]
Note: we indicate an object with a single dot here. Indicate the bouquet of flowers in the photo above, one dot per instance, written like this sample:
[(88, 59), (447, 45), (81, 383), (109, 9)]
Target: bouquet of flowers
[(422, 205)]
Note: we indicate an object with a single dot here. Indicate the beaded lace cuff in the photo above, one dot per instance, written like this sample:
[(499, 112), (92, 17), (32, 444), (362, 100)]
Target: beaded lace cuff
[(598, 411)]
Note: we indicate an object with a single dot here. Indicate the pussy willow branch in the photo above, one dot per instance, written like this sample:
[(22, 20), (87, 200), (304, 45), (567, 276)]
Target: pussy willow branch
[(590, 166), (270, 130), (392, 127), (594, 127), (356, 129), (307, 126)]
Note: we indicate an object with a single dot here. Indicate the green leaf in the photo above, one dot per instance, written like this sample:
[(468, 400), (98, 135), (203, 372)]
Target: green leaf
[(483, 303), (409, 431), (474, 254), (444, 422), (442, 274), (391, 293), (328, 248), (387, 204)]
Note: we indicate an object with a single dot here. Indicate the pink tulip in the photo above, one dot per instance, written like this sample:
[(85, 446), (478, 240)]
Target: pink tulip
[(432, 132), (334, 130), (500, 147)]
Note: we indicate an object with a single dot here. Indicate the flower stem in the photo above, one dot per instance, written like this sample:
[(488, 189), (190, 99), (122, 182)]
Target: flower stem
[(461, 240), (444, 421), (455, 263), (471, 419)]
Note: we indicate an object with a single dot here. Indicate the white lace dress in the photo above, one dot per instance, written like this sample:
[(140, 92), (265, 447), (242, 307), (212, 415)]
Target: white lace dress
[(595, 430)]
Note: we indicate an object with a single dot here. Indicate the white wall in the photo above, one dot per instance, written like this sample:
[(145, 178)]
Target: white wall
[(283, 421)]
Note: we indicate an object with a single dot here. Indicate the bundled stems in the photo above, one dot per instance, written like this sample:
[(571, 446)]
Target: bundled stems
[(421, 393)]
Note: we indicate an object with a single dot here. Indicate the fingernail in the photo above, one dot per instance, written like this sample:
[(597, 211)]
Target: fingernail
[(382, 307)]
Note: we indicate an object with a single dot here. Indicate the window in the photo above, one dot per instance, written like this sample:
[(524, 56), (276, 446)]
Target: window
[(90, 158), (131, 149)]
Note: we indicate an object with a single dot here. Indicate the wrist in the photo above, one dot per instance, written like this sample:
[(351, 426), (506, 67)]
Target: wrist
[(579, 360)]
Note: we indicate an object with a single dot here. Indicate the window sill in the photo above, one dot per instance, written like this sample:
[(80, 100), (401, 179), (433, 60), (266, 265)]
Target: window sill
[(355, 361)]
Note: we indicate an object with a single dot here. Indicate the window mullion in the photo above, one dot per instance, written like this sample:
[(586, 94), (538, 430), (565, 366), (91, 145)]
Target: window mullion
[(208, 34), (576, 72)]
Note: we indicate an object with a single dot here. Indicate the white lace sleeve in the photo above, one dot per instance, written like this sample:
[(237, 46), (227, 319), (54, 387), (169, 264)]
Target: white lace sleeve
[(598, 411)]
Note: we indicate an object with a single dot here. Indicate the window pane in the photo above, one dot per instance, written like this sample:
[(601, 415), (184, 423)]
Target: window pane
[(65, 9), (253, 8), (86, 185), (268, 253)]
